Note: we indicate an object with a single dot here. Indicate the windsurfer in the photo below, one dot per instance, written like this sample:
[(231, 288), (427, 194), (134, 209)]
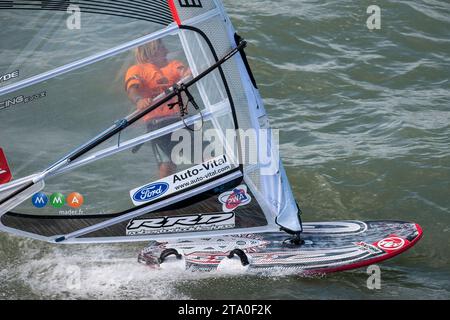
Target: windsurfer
[(153, 74)]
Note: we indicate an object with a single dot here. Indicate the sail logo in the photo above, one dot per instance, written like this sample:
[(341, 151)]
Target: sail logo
[(190, 3), (9, 76), (233, 199), (151, 192), (11, 102), (206, 167), (75, 200), (57, 200), (39, 200), (181, 181), (5, 173), (201, 222)]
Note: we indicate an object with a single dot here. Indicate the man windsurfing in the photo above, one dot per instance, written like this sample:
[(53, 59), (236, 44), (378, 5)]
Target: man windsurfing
[(153, 74)]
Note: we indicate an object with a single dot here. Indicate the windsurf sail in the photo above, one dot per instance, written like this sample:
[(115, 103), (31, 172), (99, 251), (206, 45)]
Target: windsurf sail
[(185, 149)]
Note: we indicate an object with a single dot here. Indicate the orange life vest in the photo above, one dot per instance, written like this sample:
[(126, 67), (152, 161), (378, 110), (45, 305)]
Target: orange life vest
[(151, 81)]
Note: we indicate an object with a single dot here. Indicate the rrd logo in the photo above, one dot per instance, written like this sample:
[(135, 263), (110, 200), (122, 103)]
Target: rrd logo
[(181, 224)]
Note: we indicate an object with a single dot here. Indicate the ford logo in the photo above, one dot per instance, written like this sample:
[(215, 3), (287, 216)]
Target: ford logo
[(151, 192)]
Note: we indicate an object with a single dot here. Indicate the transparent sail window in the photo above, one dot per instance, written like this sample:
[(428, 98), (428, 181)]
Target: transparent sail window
[(33, 42), (64, 112)]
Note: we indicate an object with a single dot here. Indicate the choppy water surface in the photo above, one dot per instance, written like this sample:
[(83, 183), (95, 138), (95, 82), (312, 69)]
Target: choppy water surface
[(365, 131)]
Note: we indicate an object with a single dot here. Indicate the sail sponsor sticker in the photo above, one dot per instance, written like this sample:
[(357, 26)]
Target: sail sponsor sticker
[(9, 76), (5, 172), (233, 199), (181, 181), (190, 3), (194, 223), (150, 192)]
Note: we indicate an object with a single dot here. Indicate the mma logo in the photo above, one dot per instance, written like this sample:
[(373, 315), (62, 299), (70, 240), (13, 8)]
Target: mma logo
[(190, 3)]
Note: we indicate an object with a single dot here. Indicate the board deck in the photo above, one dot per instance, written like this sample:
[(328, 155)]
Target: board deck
[(328, 247)]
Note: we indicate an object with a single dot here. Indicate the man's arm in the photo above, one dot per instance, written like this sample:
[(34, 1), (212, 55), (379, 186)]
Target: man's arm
[(184, 71), (133, 95)]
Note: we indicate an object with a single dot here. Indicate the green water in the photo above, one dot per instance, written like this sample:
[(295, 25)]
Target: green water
[(365, 132)]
